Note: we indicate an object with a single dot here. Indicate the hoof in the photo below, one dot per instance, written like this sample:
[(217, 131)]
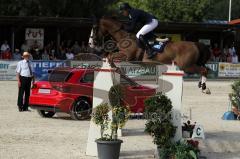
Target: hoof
[(199, 84), (204, 87), (206, 91)]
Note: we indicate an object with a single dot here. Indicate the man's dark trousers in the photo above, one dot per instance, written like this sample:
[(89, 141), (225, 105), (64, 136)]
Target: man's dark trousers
[(24, 90)]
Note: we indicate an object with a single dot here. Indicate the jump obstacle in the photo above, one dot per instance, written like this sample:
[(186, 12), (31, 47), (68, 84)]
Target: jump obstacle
[(170, 83)]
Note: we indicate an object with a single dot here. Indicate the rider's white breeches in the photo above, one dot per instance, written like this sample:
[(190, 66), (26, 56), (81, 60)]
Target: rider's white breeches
[(148, 28)]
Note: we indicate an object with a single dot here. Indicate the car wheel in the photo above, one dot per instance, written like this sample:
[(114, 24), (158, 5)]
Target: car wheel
[(46, 114), (81, 109)]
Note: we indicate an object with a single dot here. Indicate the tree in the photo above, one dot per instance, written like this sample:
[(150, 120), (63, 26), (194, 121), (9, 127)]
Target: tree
[(62, 8), (219, 9), (174, 10), (164, 10)]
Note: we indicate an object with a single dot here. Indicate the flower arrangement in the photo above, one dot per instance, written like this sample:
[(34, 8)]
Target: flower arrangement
[(185, 149), (189, 127), (159, 125), (235, 98)]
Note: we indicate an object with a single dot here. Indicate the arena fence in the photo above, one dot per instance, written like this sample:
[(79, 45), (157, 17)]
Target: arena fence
[(137, 71)]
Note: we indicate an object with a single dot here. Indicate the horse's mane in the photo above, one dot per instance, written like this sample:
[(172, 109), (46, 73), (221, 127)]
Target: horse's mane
[(113, 19)]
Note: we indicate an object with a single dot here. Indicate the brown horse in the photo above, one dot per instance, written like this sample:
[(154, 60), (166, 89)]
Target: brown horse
[(190, 57)]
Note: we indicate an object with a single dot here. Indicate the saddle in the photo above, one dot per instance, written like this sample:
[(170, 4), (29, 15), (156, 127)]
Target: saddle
[(158, 44)]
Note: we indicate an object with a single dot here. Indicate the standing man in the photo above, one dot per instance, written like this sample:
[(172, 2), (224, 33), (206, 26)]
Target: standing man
[(24, 77)]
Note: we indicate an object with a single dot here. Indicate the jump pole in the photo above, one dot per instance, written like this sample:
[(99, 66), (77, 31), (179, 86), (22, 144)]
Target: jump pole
[(171, 84), (104, 78)]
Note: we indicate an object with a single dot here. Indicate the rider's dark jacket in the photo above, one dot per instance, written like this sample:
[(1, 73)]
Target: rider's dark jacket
[(137, 16)]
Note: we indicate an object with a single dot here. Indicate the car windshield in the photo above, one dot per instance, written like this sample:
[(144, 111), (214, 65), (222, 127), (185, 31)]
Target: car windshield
[(44, 78)]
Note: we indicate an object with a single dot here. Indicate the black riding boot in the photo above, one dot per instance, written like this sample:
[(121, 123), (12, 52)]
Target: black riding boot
[(151, 53)]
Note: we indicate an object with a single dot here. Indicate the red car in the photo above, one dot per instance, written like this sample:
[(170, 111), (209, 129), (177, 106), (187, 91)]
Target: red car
[(71, 90)]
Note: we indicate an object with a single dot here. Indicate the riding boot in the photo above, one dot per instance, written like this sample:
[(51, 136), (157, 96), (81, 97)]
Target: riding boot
[(151, 53)]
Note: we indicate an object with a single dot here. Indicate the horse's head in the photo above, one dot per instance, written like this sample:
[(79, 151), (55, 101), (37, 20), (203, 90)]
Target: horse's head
[(93, 37), (105, 26)]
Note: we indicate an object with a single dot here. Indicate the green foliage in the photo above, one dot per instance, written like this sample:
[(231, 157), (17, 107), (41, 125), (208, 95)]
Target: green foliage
[(120, 115), (219, 9), (174, 10), (56, 8), (235, 95), (158, 112), (165, 10), (115, 95), (101, 117), (184, 150)]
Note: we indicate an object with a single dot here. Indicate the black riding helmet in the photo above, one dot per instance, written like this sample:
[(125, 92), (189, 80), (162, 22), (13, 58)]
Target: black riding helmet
[(124, 6)]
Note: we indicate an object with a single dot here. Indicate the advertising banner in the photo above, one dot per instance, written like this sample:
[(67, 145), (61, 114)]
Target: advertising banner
[(40, 68), (35, 37), (136, 71), (130, 69), (8, 70), (229, 70)]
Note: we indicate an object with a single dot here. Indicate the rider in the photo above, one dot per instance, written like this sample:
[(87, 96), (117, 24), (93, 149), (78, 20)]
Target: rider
[(148, 21)]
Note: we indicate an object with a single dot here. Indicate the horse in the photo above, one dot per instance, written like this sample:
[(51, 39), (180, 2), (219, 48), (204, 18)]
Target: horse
[(190, 57)]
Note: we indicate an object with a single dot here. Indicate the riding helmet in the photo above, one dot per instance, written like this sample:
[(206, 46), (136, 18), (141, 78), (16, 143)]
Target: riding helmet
[(124, 6)]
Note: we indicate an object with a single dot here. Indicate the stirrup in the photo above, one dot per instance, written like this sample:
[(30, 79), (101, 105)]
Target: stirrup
[(152, 54), (162, 40)]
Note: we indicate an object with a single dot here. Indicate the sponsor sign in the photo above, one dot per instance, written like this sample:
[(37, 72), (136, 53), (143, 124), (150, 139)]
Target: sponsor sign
[(136, 71), (40, 68), (34, 37), (8, 70), (229, 70), (131, 70)]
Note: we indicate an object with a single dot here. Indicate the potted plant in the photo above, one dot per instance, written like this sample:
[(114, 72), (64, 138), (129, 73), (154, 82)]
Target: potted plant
[(158, 114), (109, 145), (235, 99)]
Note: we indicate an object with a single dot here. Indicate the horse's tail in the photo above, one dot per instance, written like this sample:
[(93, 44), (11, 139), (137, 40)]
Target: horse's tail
[(204, 54)]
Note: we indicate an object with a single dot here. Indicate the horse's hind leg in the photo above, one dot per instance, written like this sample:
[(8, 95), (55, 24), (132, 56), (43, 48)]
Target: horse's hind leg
[(203, 72), (203, 75), (200, 82)]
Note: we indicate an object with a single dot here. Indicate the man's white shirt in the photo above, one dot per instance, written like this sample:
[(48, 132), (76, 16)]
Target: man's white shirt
[(23, 69)]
